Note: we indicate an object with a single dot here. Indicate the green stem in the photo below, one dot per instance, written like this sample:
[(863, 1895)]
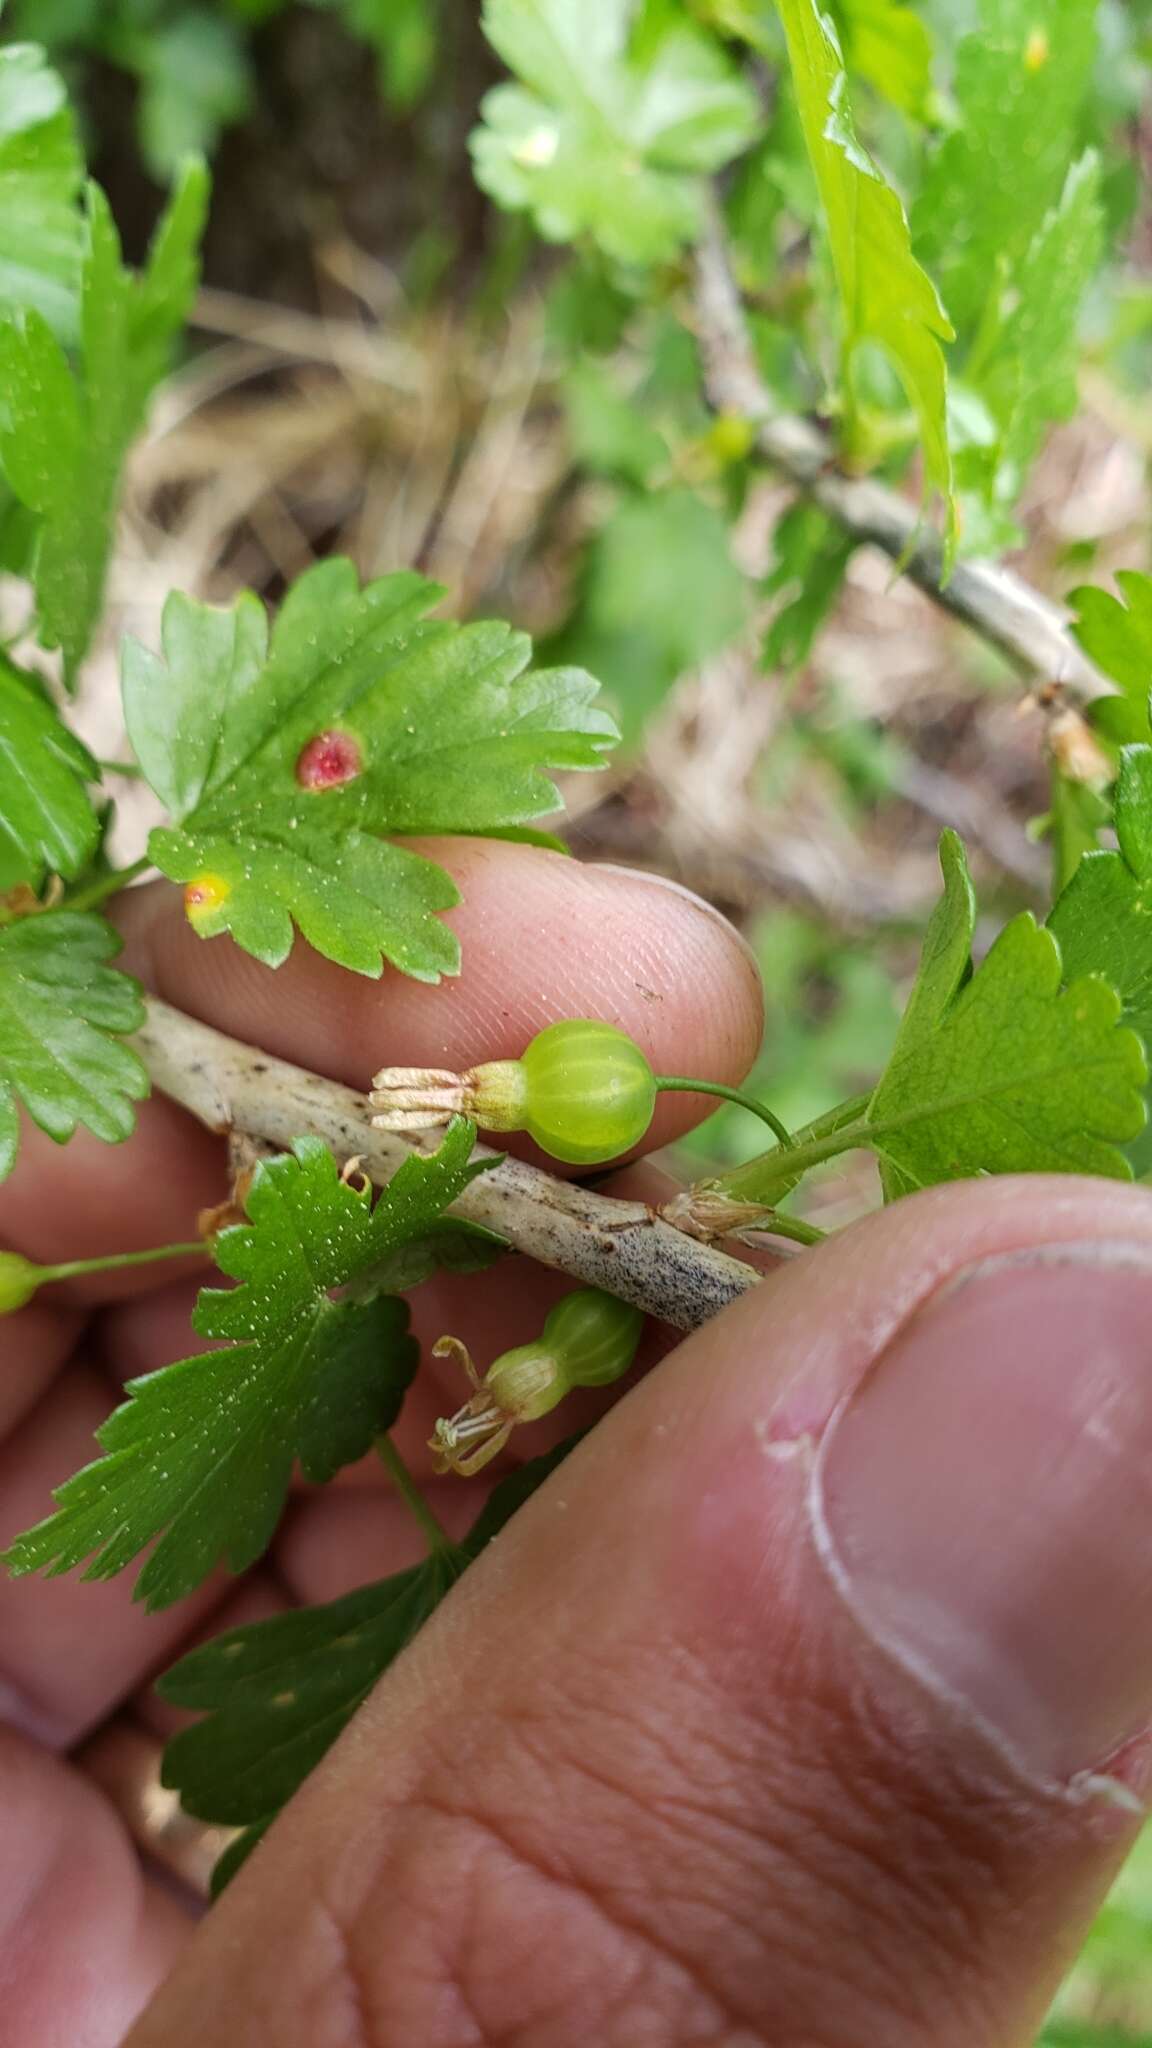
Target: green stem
[(837, 1130), (768, 1178), (104, 886), (437, 1537), (851, 1138), (798, 1160), (675, 1084), (777, 1225), (838, 1119), (989, 329), (128, 769), (113, 1261)]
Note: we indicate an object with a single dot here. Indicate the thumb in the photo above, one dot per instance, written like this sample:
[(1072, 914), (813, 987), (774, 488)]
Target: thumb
[(804, 1704)]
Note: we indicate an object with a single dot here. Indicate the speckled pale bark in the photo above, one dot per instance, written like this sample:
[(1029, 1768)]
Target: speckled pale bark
[(995, 602), (621, 1246)]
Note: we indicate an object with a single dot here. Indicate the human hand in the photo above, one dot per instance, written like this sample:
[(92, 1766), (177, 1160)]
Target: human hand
[(796, 1709)]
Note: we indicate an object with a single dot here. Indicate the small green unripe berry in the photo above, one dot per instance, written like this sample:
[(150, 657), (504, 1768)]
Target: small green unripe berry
[(583, 1090), (589, 1091), (593, 1335), (589, 1339), (19, 1280)]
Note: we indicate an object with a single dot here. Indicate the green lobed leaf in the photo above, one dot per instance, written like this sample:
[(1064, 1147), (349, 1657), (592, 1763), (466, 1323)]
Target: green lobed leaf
[(811, 557), (276, 1694), (63, 1012), (1021, 77), (1103, 919), (404, 35), (1069, 2033), (885, 296), (40, 176), (47, 821), (661, 594), (1011, 1073), (201, 1453), (450, 1245), (280, 1692), (195, 79), (946, 956), (237, 1854), (1027, 376), (1117, 634), (444, 727), (945, 965), (1077, 814), (63, 433), (609, 431), (602, 139), (1035, 376), (889, 45)]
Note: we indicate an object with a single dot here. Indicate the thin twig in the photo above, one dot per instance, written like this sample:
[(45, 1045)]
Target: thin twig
[(993, 601), (621, 1246)]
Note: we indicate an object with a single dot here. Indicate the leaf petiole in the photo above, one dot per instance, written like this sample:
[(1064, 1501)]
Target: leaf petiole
[(439, 1542), (99, 890), (113, 1261), (755, 1180), (792, 1227)]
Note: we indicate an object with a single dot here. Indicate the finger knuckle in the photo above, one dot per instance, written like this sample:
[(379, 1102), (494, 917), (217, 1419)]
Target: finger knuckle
[(468, 1938)]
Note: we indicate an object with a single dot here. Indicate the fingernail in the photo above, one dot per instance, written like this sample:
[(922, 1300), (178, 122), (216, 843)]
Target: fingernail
[(984, 1502), (701, 903)]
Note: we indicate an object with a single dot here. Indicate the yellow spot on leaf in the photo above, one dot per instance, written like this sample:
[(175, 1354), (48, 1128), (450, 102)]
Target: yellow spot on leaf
[(204, 896)]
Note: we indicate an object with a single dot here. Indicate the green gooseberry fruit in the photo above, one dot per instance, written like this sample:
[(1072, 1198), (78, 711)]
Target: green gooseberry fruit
[(589, 1091), (19, 1280), (583, 1090), (588, 1340)]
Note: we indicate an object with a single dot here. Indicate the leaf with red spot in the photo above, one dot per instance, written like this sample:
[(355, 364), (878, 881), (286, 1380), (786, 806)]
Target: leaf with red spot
[(290, 761)]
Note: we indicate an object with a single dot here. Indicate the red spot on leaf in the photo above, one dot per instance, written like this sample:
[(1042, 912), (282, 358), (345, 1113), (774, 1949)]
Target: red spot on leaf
[(327, 761)]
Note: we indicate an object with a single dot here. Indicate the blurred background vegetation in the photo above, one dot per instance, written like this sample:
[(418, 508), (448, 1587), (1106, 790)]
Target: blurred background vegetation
[(385, 363)]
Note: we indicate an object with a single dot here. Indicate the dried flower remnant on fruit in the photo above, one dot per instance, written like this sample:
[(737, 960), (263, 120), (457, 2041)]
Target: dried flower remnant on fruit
[(467, 1441), (589, 1339), (329, 761), (418, 1098)]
